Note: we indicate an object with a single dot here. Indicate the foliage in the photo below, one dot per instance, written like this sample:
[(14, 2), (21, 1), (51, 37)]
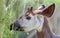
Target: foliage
[(10, 11)]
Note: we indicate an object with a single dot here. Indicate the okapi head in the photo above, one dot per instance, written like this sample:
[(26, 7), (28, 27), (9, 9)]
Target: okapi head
[(33, 19)]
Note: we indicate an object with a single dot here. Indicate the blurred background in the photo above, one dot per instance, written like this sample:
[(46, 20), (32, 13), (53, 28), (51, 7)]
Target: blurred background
[(11, 9)]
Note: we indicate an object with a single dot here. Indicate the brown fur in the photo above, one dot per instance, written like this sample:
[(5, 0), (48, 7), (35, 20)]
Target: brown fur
[(46, 32)]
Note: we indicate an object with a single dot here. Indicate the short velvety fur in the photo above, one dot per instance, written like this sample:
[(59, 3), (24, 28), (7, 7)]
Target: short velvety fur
[(32, 22), (46, 32)]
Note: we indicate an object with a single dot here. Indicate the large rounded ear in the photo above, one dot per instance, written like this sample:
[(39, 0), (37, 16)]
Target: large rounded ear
[(49, 10)]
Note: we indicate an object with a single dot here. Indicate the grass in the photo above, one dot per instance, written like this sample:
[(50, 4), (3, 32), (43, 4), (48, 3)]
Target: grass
[(10, 11)]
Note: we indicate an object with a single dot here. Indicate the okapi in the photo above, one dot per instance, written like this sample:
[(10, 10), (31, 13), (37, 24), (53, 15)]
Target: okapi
[(36, 20)]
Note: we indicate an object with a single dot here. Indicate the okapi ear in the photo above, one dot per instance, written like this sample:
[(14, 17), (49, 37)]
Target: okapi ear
[(49, 11), (30, 8), (41, 7)]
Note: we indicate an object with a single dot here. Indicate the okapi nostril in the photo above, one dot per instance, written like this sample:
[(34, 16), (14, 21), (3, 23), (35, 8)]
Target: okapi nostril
[(11, 26)]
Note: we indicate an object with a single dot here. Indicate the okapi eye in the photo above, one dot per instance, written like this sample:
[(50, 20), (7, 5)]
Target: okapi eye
[(28, 18)]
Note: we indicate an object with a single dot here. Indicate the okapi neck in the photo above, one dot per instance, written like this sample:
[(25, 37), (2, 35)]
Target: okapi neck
[(46, 32)]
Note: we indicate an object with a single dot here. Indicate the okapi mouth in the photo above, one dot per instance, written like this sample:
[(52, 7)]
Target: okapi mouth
[(16, 27)]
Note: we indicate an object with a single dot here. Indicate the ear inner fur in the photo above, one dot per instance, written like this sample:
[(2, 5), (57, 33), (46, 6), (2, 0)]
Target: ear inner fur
[(46, 11), (49, 11)]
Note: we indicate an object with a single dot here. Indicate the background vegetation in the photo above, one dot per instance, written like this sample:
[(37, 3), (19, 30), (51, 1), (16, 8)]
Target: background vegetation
[(11, 9)]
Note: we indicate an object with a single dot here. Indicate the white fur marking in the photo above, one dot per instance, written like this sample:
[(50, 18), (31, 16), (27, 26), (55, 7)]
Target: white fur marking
[(40, 22)]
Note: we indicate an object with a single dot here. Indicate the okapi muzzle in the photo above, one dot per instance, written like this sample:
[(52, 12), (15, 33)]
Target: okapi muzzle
[(16, 26)]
